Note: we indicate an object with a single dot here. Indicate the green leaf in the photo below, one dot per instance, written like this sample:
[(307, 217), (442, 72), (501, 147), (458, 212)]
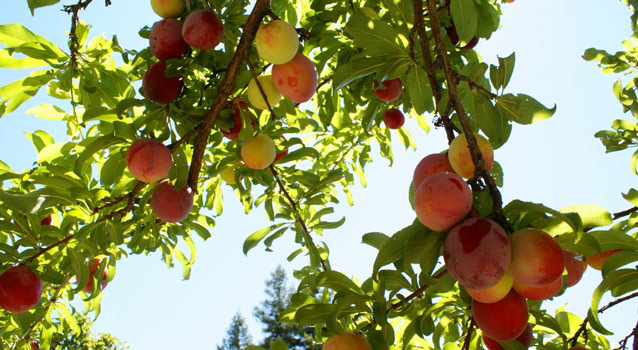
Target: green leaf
[(46, 111), (523, 109), (517, 207), (394, 248), (34, 4), (488, 118), (15, 35), (279, 344), (258, 235), (7, 60), (377, 37), (402, 10), (311, 314), (355, 69), (329, 224), (590, 215), (337, 281), (94, 146), (375, 239), (500, 76), (18, 92), (419, 90), (465, 17), (615, 278)]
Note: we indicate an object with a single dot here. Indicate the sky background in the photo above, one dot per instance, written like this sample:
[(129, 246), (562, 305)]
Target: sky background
[(557, 162)]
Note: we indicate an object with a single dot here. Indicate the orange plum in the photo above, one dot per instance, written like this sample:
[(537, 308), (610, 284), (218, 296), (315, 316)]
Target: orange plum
[(575, 267), (171, 205), (442, 200), (461, 160), (503, 320), (296, 79), (148, 160), (347, 341), (430, 164), (494, 293), (547, 291), (168, 8), (597, 260), (477, 252), (537, 259)]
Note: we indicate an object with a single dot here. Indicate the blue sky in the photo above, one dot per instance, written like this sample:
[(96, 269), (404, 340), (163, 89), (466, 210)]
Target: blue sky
[(557, 162)]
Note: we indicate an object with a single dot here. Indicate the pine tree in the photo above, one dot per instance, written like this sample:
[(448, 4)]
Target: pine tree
[(237, 336), (270, 311)]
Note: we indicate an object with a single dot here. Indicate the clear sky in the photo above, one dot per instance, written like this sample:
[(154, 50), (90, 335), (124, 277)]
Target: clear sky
[(557, 162)]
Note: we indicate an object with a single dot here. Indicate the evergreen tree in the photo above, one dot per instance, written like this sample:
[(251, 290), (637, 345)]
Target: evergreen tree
[(270, 311), (237, 337)]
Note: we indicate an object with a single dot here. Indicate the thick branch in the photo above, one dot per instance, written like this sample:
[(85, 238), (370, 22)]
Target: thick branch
[(477, 157), (419, 24), (225, 88), (295, 209)]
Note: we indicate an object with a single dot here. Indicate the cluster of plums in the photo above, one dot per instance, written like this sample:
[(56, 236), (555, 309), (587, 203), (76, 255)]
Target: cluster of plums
[(499, 271)]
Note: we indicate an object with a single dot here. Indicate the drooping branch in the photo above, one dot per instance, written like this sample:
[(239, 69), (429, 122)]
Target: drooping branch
[(583, 325), (295, 208), (477, 157), (225, 88)]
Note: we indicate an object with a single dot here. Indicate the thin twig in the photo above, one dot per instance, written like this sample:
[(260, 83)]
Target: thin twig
[(468, 335), (129, 204), (583, 325), (295, 208), (474, 85), (416, 294), (63, 241)]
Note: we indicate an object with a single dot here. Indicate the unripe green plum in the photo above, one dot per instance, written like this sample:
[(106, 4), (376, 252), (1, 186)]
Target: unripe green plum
[(168, 8), (477, 252), (203, 30), (537, 259), (430, 164), (20, 289), (442, 200), (296, 79), (228, 173), (392, 90), (494, 293), (148, 160), (503, 320), (171, 205), (347, 341), (461, 160), (257, 99), (158, 87), (277, 42), (166, 40), (259, 152)]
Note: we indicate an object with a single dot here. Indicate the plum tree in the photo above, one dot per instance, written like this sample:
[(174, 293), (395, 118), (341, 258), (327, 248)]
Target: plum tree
[(20, 289), (442, 200), (391, 89), (258, 152), (255, 96), (393, 118), (158, 87), (277, 42), (477, 251), (149, 160), (481, 255), (166, 40), (168, 8), (203, 29), (347, 341), (169, 204), (296, 79)]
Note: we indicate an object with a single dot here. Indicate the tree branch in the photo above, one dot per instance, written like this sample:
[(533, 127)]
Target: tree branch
[(44, 250), (468, 335), (417, 293), (225, 88), (474, 85), (295, 208), (477, 157), (583, 325)]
